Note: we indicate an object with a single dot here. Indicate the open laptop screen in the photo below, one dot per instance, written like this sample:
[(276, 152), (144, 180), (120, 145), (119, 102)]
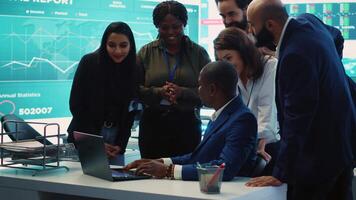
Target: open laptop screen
[(94, 161)]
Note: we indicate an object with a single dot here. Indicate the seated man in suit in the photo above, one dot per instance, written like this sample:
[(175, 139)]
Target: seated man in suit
[(230, 137)]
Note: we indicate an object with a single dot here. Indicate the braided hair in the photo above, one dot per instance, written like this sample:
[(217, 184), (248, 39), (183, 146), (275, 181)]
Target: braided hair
[(174, 8)]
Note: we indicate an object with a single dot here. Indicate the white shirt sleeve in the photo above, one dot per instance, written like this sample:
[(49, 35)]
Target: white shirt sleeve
[(167, 161), (178, 172), (177, 168), (266, 108)]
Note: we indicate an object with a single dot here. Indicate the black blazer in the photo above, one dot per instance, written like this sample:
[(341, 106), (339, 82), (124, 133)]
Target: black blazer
[(102, 90), (315, 109)]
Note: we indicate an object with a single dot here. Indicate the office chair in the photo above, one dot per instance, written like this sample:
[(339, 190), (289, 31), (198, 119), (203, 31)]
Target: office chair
[(18, 129), (260, 165)]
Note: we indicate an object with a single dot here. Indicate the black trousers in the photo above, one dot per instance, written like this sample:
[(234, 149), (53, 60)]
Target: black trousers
[(168, 133), (340, 188)]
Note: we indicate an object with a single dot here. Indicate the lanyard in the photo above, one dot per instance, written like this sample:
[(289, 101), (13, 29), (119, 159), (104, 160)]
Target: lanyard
[(173, 71), (249, 96)]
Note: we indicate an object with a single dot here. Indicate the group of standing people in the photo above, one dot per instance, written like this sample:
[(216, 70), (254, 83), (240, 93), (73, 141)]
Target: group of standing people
[(163, 75), (306, 86)]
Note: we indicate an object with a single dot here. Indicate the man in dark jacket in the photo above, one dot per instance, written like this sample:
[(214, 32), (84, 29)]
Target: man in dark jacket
[(315, 108)]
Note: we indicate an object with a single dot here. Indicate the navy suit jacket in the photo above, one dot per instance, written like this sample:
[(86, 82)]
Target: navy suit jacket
[(230, 139), (315, 109), (339, 45)]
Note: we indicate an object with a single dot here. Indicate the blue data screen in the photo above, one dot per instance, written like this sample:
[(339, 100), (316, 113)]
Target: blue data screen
[(340, 14), (42, 42)]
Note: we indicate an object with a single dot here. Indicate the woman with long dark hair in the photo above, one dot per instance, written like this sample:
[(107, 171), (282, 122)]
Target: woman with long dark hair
[(103, 87), (256, 86), (170, 124)]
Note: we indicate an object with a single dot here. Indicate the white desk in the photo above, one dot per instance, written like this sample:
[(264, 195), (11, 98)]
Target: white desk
[(19, 184)]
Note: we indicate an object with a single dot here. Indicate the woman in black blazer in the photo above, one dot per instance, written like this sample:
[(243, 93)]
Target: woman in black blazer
[(103, 87)]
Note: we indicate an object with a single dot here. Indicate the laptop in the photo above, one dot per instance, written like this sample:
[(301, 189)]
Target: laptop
[(94, 161)]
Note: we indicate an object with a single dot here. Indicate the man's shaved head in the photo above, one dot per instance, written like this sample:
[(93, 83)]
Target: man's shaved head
[(266, 19), (262, 10)]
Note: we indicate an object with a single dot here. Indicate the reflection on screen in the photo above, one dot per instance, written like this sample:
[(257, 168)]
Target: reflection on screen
[(116, 173)]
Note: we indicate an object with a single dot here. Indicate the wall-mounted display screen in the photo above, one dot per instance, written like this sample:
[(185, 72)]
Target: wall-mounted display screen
[(340, 14), (43, 41)]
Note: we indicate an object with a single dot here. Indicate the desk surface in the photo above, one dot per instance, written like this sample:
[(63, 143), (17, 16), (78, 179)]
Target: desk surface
[(75, 182)]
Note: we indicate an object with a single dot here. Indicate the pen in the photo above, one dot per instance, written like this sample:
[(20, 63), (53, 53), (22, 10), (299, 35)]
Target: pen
[(216, 175)]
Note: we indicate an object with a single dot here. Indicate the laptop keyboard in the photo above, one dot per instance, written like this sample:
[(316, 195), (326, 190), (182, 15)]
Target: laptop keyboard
[(121, 176)]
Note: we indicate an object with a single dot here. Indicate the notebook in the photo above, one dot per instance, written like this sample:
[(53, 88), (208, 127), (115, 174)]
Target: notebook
[(94, 162)]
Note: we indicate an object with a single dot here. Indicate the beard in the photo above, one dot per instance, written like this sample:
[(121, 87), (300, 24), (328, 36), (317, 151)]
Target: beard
[(241, 25), (265, 39)]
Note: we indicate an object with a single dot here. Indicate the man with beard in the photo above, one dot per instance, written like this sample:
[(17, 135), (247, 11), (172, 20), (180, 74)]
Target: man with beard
[(233, 13), (315, 110)]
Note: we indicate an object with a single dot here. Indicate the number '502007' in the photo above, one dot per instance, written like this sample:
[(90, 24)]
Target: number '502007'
[(35, 111)]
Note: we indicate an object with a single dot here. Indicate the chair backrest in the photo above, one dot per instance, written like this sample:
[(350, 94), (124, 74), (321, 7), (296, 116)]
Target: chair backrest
[(19, 129), (260, 165)]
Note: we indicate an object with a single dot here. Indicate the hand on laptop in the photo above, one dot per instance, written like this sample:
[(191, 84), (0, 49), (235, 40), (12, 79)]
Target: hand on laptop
[(152, 167), (112, 150), (136, 163)]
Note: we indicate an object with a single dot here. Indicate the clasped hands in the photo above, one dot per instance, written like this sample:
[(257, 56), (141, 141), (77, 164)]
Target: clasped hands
[(153, 167), (171, 92)]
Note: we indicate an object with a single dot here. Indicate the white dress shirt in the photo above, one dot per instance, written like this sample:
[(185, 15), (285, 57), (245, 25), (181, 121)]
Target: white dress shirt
[(178, 168), (216, 114), (259, 97)]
